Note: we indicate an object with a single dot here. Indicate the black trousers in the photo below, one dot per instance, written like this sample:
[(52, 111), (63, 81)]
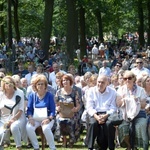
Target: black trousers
[(104, 133)]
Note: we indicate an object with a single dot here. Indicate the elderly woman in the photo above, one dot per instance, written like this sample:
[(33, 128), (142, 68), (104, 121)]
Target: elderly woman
[(67, 94), (58, 79), (132, 101), (120, 78), (2, 75), (40, 112), (146, 86), (139, 80), (12, 96), (72, 70)]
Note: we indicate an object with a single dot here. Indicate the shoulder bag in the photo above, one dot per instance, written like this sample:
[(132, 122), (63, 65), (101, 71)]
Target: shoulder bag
[(116, 118)]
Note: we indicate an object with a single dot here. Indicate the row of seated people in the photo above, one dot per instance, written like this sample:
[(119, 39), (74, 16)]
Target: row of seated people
[(41, 111), (100, 102)]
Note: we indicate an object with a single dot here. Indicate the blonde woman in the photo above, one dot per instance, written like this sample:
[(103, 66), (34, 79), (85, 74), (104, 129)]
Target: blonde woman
[(40, 101), (17, 121)]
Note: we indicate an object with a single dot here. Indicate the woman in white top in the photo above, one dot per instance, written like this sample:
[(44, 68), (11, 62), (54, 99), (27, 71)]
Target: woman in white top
[(17, 121), (132, 101)]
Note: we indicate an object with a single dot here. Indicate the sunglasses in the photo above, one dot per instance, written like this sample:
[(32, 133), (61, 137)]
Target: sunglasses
[(128, 78), (139, 62)]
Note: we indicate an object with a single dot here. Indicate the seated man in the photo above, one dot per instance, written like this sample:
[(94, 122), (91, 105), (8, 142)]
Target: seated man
[(101, 102)]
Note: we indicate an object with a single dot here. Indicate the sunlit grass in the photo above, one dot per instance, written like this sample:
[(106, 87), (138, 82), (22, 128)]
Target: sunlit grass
[(77, 146)]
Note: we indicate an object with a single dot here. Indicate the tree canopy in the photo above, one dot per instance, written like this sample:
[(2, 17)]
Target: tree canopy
[(74, 19)]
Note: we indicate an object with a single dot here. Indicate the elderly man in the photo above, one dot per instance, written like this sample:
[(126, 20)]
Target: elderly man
[(101, 102), (105, 70), (52, 76), (139, 69)]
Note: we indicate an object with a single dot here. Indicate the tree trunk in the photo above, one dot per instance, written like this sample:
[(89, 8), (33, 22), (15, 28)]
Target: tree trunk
[(47, 27), (9, 24), (82, 31), (16, 21), (141, 23), (76, 26), (148, 30), (71, 29), (2, 33), (100, 25)]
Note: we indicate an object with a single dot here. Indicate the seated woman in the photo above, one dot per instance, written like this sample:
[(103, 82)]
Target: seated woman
[(69, 95), (40, 112), (146, 86), (132, 101), (17, 122)]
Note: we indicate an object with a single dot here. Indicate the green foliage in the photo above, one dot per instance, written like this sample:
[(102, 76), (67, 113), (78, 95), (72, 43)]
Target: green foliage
[(31, 17), (76, 63), (59, 18), (117, 16)]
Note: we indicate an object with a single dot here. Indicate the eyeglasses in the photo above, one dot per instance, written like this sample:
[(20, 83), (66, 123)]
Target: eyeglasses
[(118, 65), (127, 78), (139, 62), (8, 83), (65, 80), (40, 84)]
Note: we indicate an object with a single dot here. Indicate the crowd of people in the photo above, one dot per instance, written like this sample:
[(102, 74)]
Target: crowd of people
[(64, 102)]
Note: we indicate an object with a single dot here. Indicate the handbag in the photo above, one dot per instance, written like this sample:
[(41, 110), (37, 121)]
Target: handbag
[(40, 114), (66, 110), (116, 118)]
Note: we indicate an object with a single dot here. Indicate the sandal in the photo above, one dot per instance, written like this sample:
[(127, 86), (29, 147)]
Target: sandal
[(29, 145), (70, 145)]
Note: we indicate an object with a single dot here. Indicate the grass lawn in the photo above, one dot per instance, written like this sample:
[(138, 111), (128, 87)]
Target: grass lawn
[(77, 146)]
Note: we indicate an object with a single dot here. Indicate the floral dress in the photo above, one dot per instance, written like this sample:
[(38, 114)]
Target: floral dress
[(69, 126)]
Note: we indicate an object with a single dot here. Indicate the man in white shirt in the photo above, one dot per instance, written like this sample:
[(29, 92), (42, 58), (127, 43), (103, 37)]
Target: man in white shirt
[(30, 74), (105, 70), (94, 52), (78, 54), (139, 69), (101, 102), (52, 76), (101, 50)]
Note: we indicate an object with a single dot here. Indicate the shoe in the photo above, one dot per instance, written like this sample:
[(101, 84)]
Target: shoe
[(6, 145), (29, 145), (19, 148)]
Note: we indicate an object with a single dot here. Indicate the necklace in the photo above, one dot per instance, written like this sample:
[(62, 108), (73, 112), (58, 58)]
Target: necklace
[(41, 96)]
